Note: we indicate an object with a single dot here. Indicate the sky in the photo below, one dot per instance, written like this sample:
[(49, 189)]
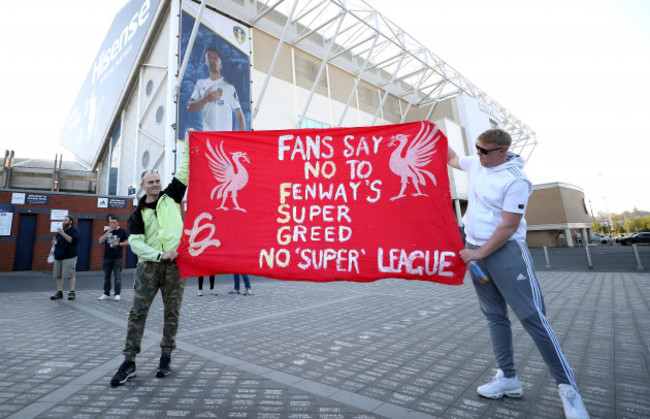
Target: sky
[(577, 72)]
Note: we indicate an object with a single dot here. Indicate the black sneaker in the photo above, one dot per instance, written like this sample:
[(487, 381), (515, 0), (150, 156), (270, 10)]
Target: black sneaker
[(71, 295), (57, 296), (163, 367), (126, 371)]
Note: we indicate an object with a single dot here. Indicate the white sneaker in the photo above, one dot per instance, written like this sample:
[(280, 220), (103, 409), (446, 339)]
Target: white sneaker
[(501, 386), (574, 408), (233, 292), (117, 297), (104, 297), (248, 291), (213, 292), (200, 293)]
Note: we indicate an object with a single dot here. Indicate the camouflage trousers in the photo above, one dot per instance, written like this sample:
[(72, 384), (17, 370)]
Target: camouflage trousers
[(149, 278)]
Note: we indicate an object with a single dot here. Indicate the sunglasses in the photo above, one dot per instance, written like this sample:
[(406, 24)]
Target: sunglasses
[(485, 151)]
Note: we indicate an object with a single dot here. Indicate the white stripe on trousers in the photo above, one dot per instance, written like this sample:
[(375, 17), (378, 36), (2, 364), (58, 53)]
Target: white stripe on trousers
[(538, 306)]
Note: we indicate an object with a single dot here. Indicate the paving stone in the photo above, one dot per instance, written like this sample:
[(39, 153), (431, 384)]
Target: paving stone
[(391, 348)]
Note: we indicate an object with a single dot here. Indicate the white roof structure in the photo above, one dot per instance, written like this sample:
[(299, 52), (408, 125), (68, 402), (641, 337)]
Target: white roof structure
[(360, 40)]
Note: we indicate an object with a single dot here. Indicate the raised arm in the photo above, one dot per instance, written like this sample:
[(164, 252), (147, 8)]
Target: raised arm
[(104, 236), (452, 158)]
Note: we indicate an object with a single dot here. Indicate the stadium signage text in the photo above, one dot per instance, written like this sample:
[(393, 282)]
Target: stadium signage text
[(120, 44)]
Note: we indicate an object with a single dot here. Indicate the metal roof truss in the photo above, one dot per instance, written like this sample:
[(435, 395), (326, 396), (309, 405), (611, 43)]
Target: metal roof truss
[(355, 37)]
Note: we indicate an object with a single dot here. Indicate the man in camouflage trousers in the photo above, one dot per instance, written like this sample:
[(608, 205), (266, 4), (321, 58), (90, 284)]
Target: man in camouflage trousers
[(155, 229)]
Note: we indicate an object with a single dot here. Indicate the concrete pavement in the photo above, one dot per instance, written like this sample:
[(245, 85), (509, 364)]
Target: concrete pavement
[(391, 348)]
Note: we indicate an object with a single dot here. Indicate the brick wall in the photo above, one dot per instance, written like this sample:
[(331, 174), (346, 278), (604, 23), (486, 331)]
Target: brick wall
[(80, 206)]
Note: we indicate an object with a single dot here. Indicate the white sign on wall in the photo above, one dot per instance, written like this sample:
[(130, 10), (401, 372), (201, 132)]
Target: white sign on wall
[(58, 214), (18, 198), (6, 219)]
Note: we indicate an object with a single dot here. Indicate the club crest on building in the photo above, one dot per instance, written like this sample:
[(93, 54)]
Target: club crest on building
[(230, 174), (408, 165), (239, 34)]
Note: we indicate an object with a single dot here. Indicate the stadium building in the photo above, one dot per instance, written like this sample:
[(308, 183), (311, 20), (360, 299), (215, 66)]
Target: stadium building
[(292, 64), (284, 65)]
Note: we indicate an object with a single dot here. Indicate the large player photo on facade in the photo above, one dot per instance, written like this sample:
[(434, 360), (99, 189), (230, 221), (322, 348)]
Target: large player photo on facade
[(215, 91)]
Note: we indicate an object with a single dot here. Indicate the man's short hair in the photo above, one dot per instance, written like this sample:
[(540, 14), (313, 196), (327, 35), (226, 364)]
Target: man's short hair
[(147, 171), (71, 218), (497, 137), (208, 49), (113, 217)]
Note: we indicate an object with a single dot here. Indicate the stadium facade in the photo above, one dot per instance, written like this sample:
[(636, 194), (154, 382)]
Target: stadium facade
[(289, 64), (293, 64)]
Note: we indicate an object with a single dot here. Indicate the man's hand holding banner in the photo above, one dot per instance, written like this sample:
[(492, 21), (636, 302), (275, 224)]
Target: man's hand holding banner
[(354, 204)]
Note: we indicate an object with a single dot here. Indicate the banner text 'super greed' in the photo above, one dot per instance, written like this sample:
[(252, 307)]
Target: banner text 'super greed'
[(356, 204)]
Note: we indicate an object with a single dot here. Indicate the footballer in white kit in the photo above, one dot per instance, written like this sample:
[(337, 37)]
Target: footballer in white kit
[(216, 98), (217, 115)]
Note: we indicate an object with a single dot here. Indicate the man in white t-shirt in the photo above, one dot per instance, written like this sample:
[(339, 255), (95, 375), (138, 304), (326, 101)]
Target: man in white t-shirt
[(495, 228), (216, 98)]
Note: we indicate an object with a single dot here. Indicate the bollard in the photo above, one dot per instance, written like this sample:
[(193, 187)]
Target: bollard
[(589, 264), (639, 266), (548, 265)]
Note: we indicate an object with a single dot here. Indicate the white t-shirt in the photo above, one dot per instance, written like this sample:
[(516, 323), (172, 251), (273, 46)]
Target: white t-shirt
[(491, 191), (217, 115)]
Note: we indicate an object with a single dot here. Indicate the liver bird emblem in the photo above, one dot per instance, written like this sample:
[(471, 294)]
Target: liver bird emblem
[(230, 173), (409, 165)]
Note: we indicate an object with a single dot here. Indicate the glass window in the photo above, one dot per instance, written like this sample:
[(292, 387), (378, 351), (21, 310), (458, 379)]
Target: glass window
[(310, 123)]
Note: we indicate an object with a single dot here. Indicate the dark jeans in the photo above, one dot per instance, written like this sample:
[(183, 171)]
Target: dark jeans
[(247, 283), (115, 266)]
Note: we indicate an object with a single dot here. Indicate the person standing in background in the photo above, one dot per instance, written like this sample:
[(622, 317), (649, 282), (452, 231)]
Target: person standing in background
[(247, 284), (66, 249), (114, 239), (200, 293)]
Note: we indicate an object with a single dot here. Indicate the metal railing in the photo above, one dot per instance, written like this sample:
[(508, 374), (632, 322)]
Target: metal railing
[(590, 258)]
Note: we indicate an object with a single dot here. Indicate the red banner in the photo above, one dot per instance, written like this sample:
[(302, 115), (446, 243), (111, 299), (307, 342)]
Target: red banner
[(353, 204)]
